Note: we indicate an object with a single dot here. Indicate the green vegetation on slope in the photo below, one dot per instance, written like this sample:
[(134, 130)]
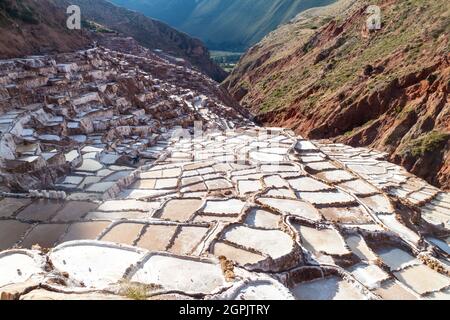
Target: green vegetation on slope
[(95, 27), (345, 61), (427, 143)]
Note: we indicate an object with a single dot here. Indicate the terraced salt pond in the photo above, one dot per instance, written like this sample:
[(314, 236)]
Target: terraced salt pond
[(358, 246), (305, 228), (329, 288), (19, 267), (369, 275), (395, 290), (422, 279), (224, 207), (443, 245), (180, 210), (82, 263), (327, 241), (263, 219), (293, 207), (397, 259), (164, 270)]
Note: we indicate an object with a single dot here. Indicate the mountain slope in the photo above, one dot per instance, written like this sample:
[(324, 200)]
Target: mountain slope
[(232, 25), (326, 76), (35, 27), (30, 27), (150, 33)]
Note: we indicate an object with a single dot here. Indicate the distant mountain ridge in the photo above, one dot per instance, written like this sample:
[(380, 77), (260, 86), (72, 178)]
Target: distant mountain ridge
[(232, 25)]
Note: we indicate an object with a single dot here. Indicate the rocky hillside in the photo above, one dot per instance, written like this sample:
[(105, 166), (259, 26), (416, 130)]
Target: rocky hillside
[(150, 33), (30, 27), (326, 76), (231, 25), (36, 27)]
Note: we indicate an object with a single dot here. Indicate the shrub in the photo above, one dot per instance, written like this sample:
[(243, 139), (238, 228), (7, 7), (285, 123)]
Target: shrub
[(427, 143)]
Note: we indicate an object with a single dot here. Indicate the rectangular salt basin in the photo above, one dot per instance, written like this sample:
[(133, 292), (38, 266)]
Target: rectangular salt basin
[(305, 146), (320, 166), (231, 206), (11, 231), (273, 243), (278, 168), (396, 258), (236, 254), (331, 288), (347, 214), (325, 198), (293, 207), (180, 209), (280, 193), (262, 219), (275, 181), (266, 157), (369, 275), (358, 246), (443, 245), (358, 187), (378, 203), (392, 223), (308, 184), (422, 279), (187, 239), (394, 290), (327, 241), (249, 186), (336, 176)]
